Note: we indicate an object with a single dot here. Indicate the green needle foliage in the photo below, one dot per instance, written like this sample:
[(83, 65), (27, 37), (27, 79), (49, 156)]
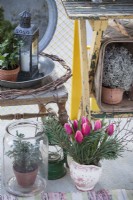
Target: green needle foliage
[(55, 132), (26, 156), (97, 145)]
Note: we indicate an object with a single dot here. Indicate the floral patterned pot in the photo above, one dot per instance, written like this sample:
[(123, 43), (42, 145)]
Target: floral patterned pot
[(85, 177)]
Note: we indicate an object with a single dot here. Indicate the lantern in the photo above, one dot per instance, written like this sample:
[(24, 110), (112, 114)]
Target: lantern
[(29, 37)]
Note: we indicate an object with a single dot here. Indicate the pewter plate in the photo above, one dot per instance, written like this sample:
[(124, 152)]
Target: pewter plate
[(43, 13), (46, 71)]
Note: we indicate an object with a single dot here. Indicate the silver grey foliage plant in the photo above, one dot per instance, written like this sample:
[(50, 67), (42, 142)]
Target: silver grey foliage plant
[(118, 67)]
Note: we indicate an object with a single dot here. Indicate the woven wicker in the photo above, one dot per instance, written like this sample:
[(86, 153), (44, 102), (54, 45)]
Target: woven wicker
[(14, 93)]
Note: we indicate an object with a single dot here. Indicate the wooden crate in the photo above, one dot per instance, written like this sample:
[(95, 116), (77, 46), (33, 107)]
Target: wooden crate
[(127, 104)]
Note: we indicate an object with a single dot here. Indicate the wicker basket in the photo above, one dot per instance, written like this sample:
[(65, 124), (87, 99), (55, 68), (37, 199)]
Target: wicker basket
[(126, 105)]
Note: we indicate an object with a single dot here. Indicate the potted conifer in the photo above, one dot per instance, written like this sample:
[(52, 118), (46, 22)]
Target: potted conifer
[(26, 158)]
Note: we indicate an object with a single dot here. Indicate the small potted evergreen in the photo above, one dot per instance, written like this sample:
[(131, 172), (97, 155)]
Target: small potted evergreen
[(117, 73), (26, 159), (9, 50)]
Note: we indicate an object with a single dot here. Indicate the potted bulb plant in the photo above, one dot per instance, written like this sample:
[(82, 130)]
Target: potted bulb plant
[(117, 73), (9, 51), (87, 143), (26, 158)]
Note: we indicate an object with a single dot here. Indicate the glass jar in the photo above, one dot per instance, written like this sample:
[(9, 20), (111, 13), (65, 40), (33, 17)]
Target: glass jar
[(56, 162), (25, 157)]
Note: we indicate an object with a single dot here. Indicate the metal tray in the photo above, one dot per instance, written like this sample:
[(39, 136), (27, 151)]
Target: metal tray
[(46, 71)]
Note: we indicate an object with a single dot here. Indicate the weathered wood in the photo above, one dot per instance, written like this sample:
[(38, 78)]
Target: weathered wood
[(42, 108), (58, 96), (126, 105), (18, 116), (101, 114), (75, 98), (84, 69), (63, 117), (98, 15), (88, 10), (98, 27)]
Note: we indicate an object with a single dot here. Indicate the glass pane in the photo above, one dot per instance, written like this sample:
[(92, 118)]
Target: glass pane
[(25, 55), (35, 52), (25, 158)]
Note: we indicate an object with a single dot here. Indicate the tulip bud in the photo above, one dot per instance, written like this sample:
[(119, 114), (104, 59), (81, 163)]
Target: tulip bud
[(79, 136), (110, 129), (97, 125), (86, 129), (75, 125), (84, 120), (68, 128)]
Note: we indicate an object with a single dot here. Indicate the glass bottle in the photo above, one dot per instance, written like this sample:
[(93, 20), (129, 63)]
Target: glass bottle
[(25, 158), (56, 162)]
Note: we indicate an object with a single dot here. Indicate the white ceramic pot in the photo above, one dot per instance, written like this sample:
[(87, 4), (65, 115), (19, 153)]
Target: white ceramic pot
[(85, 177)]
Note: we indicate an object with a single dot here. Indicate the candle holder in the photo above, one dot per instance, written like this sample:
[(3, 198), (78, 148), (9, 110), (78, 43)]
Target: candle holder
[(25, 158), (28, 35), (57, 158), (56, 162)]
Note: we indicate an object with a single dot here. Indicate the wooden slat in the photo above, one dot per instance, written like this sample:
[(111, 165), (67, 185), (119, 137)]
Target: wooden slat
[(98, 27), (84, 69), (58, 95), (76, 77), (87, 10)]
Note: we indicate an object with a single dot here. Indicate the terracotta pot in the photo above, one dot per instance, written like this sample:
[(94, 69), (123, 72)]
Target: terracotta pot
[(112, 96), (25, 179), (9, 75), (85, 177)]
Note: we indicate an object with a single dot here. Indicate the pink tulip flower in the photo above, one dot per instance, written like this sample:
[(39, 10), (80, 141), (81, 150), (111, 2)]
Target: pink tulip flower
[(68, 128), (110, 129), (79, 136), (86, 129), (75, 125), (97, 125), (84, 120)]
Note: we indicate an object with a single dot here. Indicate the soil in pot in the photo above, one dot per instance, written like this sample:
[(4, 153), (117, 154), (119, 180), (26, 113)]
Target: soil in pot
[(25, 179), (112, 96)]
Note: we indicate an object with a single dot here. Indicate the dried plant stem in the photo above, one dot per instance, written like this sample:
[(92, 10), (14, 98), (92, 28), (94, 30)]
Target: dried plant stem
[(14, 93)]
